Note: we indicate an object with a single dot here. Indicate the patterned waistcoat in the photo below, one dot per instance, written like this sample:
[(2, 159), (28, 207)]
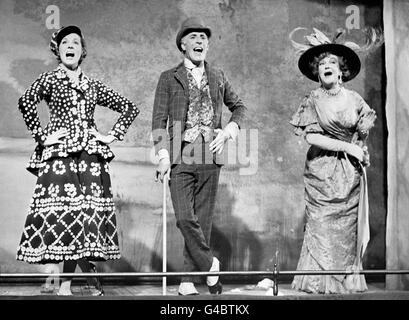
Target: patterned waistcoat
[(200, 112)]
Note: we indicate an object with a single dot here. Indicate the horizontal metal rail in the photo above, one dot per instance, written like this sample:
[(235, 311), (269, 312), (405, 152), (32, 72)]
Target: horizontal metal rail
[(199, 273), (273, 274)]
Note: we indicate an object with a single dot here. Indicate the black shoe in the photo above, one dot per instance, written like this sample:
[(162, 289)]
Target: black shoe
[(98, 291), (189, 294), (216, 289)]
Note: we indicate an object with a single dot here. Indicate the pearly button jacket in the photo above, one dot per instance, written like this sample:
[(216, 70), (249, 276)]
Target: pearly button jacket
[(72, 107)]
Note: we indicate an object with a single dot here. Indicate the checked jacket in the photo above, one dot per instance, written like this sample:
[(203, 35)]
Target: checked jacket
[(172, 101)]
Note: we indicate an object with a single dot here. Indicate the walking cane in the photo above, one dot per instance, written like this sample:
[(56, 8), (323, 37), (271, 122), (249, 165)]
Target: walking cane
[(164, 257)]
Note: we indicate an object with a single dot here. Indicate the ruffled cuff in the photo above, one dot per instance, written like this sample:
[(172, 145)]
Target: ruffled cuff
[(118, 131), (163, 153), (366, 122)]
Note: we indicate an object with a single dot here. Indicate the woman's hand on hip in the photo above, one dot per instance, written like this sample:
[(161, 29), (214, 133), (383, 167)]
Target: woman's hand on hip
[(105, 139), (56, 137)]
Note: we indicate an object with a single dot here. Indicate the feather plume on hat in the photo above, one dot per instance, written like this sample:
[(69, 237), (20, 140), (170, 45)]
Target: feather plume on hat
[(318, 43), (374, 38)]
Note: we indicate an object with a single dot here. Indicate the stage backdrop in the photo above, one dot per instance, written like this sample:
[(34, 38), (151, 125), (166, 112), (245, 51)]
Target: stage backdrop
[(397, 62), (129, 44)]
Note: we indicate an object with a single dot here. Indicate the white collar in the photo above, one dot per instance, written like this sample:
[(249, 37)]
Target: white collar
[(69, 72), (190, 65)]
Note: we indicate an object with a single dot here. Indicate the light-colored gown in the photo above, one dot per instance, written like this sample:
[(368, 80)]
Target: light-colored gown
[(335, 194)]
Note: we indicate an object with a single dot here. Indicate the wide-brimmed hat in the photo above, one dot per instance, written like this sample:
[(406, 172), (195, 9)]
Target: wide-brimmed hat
[(319, 43), (190, 25), (350, 59), (60, 34)]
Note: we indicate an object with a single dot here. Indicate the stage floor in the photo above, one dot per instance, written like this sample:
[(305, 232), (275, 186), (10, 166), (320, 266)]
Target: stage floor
[(154, 291)]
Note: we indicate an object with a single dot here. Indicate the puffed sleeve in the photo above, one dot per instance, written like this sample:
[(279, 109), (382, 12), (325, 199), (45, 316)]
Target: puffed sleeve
[(27, 104), (366, 117), (108, 97), (305, 119)]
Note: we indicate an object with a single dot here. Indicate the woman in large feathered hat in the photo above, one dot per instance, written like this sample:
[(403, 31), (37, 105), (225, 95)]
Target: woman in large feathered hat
[(335, 122)]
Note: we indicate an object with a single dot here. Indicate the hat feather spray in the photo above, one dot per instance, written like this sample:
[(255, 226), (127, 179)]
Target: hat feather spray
[(374, 38)]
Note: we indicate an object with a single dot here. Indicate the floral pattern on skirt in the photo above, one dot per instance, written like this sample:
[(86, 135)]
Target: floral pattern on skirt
[(71, 213)]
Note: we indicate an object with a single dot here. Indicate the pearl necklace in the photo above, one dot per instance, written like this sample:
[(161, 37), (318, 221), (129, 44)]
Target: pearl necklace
[(331, 93)]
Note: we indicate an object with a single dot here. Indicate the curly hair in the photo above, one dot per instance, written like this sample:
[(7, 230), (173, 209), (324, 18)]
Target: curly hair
[(342, 63)]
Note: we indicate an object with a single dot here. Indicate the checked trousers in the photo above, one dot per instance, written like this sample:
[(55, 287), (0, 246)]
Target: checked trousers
[(193, 189)]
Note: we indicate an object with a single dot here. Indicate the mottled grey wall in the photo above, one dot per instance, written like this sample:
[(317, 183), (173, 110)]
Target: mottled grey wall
[(129, 44)]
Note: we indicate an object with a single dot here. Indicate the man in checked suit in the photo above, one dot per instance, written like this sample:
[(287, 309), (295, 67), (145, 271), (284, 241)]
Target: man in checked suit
[(189, 139)]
